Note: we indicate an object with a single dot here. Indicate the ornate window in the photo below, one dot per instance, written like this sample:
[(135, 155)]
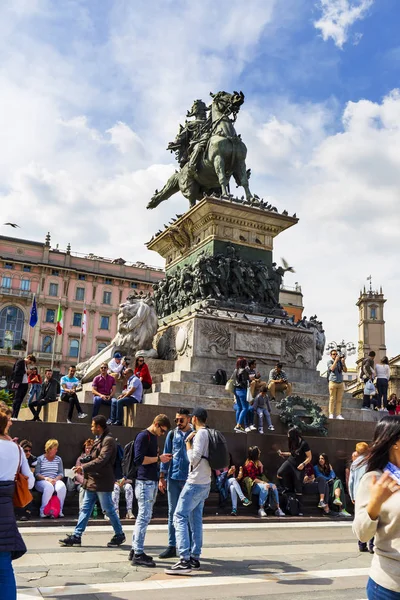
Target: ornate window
[(47, 344), (373, 312), (11, 326), (53, 289), (101, 346), (50, 315), (106, 297), (25, 285), (80, 294), (104, 322), (6, 282), (77, 322)]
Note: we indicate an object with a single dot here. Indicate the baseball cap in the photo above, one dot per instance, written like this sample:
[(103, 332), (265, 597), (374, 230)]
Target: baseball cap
[(200, 413), (117, 355)]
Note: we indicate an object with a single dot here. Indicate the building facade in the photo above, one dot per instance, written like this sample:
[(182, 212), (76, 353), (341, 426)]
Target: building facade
[(75, 281)]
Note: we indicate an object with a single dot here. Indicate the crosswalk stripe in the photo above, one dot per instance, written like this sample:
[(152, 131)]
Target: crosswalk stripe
[(185, 582)]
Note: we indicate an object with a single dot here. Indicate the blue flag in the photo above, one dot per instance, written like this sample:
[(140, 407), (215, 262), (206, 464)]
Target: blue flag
[(34, 318)]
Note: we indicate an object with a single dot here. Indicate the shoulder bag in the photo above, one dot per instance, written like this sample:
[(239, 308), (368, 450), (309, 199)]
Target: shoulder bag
[(22, 495)]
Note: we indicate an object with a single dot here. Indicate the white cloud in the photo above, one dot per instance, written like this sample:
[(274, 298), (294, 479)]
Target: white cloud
[(338, 16)]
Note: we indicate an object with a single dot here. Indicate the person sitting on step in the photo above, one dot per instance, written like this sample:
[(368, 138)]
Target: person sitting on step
[(336, 489), (256, 383), (49, 475), (132, 395), (228, 483), (291, 472), (278, 381), (256, 483), (126, 485), (319, 485), (69, 384), (49, 392), (262, 408), (103, 388)]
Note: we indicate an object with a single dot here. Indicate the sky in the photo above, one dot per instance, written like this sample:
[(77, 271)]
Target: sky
[(92, 92)]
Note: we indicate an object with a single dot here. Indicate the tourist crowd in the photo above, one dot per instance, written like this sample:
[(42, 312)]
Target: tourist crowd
[(115, 374)]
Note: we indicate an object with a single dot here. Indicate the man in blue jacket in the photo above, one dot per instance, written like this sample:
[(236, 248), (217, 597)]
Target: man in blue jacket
[(173, 475)]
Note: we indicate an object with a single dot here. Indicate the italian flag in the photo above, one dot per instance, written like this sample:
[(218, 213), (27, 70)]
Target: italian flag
[(59, 326)]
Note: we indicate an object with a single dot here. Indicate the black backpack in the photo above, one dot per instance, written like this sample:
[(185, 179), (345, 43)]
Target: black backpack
[(118, 471), (220, 377), (218, 455), (291, 505), (129, 468)]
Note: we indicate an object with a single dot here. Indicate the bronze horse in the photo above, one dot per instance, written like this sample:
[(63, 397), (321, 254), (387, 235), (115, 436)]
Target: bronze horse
[(224, 156)]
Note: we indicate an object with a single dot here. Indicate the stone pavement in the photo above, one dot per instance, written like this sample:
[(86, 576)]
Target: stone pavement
[(239, 561)]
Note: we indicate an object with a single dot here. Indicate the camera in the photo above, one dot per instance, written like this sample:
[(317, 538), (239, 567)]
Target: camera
[(86, 459)]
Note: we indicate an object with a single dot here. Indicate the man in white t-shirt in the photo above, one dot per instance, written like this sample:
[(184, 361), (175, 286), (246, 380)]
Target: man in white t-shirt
[(116, 365), (68, 384), (192, 498)]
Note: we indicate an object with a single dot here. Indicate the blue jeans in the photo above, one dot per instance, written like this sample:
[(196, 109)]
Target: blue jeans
[(237, 411), (107, 506), (34, 392), (146, 494), (261, 491), (117, 408), (243, 405), (174, 489), (189, 513), (377, 592), (7, 578), (263, 412), (97, 402), (250, 415)]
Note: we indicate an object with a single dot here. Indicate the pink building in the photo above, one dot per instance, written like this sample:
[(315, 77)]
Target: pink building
[(72, 279)]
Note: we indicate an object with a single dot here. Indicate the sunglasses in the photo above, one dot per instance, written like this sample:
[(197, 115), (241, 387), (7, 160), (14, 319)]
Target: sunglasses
[(179, 420), (163, 430), (27, 450), (103, 368)]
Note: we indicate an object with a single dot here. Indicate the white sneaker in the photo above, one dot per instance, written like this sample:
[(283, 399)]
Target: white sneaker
[(106, 518), (279, 513), (253, 427), (262, 513), (130, 515), (340, 418), (82, 416), (271, 428), (69, 422), (331, 416), (247, 430), (261, 431)]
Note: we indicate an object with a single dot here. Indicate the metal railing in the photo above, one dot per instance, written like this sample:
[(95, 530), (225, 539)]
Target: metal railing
[(290, 288)]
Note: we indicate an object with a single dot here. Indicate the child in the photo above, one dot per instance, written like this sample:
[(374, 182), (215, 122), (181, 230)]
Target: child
[(262, 407), (36, 385)]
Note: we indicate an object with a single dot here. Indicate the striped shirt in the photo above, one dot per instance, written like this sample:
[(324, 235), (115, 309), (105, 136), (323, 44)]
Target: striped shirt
[(49, 468)]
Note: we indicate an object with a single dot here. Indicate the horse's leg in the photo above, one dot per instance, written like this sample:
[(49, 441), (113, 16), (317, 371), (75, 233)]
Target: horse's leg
[(170, 188), (240, 175), (219, 166)]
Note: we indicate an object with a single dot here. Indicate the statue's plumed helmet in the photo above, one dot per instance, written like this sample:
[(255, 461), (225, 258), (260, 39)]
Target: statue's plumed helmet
[(198, 107)]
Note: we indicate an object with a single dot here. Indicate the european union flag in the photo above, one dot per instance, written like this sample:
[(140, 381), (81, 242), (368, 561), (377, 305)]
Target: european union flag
[(34, 318)]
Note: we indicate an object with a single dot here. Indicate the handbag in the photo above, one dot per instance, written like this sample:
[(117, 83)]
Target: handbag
[(249, 397), (369, 388), (230, 386), (22, 495)]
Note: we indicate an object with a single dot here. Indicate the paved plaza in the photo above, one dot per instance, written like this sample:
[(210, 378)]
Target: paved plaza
[(239, 561)]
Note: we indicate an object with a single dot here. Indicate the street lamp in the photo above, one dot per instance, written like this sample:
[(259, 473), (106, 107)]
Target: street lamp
[(344, 348)]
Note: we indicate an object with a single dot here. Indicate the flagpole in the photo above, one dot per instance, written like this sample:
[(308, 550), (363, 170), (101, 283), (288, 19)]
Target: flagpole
[(80, 337), (54, 343), (27, 339)]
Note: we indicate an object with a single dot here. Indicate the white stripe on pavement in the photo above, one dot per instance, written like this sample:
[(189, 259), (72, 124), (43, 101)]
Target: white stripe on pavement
[(174, 582), (206, 527)]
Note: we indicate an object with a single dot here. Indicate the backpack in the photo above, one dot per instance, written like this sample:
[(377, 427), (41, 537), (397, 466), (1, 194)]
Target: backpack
[(271, 502), (291, 506), (53, 507), (220, 377), (218, 455), (118, 471), (128, 466)]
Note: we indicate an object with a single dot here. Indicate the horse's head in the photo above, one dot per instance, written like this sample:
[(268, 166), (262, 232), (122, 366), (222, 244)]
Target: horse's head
[(228, 103)]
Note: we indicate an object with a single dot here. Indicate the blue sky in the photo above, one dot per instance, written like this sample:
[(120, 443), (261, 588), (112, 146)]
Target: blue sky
[(92, 92)]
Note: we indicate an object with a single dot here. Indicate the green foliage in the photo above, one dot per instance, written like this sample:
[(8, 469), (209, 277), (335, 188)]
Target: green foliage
[(5, 397), (291, 418)]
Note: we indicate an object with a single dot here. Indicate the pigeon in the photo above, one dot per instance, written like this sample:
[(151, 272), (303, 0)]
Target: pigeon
[(178, 216), (285, 212), (294, 216), (286, 266), (13, 225), (242, 238), (245, 318), (258, 241)]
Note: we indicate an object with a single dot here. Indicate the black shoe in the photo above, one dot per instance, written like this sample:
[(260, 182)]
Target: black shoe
[(70, 540), (170, 552), (362, 547), (180, 568), (39, 420), (371, 550), (24, 518), (194, 563), (116, 540), (131, 554), (143, 560)]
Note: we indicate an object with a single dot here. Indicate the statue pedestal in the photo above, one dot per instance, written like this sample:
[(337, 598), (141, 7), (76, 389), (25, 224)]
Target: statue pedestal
[(208, 340)]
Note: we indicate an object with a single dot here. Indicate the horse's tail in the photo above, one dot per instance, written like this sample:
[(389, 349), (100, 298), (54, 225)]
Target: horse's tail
[(170, 188)]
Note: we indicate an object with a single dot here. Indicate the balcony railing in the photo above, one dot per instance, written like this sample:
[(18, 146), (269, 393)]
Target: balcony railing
[(7, 291), (13, 353), (48, 356)]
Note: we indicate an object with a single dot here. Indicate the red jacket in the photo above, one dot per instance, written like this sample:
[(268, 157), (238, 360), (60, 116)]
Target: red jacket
[(143, 373)]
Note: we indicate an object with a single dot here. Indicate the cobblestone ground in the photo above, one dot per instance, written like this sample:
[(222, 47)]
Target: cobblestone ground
[(282, 560)]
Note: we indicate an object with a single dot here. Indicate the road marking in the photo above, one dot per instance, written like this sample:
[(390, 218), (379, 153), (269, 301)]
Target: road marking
[(174, 582), (59, 530)]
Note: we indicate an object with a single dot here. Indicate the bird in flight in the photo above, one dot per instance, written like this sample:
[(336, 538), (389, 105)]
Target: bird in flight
[(14, 225)]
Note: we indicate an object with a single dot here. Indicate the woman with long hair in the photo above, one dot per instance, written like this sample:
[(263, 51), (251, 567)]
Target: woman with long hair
[(11, 543), (324, 469), (393, 405), (141, 371), (377, 510), (382, 371), (241, 379), (256, 483), (292, 470)]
